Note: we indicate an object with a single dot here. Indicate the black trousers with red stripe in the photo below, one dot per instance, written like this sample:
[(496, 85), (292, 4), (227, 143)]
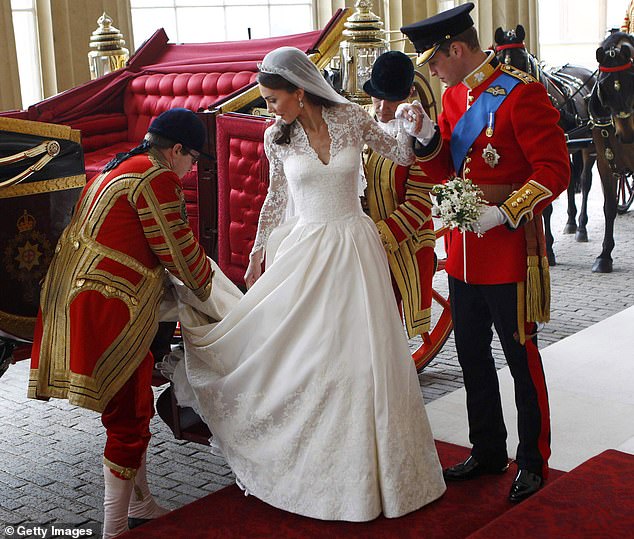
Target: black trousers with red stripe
[(476, 309)]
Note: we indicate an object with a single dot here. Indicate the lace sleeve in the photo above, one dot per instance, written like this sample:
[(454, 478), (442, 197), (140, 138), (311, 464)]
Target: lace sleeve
[(402, 152), (274, 207)]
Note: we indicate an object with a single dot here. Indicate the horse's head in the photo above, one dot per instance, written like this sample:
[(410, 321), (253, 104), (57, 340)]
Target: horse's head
[(510, 48), (615, 87)]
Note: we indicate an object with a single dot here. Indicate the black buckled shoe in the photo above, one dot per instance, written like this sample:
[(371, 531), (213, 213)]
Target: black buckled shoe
[(471, 468), (526, 484)]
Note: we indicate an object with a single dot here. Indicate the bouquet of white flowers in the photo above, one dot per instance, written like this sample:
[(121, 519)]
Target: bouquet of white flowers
[(459, 204)]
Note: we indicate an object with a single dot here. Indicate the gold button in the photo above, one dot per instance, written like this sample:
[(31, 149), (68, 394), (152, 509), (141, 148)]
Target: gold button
[(79, 283), (76, 245), (514, 204), (520, 200), (471, 98), (529, 191), (467, 170), (468, 160)]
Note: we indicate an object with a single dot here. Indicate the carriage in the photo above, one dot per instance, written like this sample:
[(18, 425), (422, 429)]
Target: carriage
[(226, 193)]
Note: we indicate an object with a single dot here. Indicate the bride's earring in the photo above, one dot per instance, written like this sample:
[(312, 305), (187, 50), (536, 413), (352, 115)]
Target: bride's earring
[(301, 104)]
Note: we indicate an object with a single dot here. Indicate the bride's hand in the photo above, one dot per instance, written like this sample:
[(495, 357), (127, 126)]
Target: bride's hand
[(254, 270)]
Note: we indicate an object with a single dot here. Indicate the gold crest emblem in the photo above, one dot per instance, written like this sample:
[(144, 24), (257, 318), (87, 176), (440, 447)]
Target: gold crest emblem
[(496, 91)]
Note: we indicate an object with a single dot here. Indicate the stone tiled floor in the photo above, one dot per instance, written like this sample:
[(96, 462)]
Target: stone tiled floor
[(50, 453)]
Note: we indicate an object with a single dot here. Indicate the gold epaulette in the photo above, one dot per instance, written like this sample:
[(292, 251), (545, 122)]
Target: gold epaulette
[(521, 203), (518, 74)]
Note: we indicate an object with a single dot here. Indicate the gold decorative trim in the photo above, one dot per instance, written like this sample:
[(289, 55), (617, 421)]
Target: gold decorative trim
[(522, 202), (40, 129), (518, 74), (44, 186), (390, 244), (125, 473), (16, 325), (431, 155)]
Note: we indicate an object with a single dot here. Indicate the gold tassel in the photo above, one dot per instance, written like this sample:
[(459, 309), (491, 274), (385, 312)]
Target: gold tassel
[(546, 288), (537, 290), (533, 290)]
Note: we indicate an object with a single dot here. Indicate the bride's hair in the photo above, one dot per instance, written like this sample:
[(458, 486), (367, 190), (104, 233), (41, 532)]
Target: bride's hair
[(277, 82)]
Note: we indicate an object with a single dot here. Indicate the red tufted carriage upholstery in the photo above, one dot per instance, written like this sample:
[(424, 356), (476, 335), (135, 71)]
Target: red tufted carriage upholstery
[(242, 184), (145, 97)]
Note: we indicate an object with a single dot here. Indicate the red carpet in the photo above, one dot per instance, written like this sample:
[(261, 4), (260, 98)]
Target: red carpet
[(595, 500), (465, 508)]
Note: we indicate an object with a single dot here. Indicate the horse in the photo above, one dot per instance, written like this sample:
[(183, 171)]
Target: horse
[(611, 108), (569, 87)]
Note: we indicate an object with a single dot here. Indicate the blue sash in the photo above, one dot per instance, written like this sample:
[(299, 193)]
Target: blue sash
[(475, 119)]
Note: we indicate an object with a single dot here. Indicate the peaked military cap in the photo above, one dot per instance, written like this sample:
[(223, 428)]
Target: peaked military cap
[(392, 77), (429, 34)]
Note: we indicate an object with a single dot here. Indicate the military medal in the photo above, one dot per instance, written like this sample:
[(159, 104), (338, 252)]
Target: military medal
[(489, 130), (490, 155)]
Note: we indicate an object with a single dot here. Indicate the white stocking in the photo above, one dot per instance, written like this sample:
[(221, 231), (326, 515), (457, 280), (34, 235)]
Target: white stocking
[(115, 503), (142, 504)]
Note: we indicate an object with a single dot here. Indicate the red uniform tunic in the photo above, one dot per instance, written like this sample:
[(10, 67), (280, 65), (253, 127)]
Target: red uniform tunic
[(399, 203), (99, 301), (530, 148)]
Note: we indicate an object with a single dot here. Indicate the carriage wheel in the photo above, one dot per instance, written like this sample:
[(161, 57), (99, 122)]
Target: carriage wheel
[(624, 192), (442, 325)]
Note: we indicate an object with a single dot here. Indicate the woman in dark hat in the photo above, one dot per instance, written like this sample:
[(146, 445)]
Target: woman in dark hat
[(100, 298)]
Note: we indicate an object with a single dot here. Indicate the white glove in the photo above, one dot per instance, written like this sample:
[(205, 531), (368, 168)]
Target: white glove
[(490, 217), (416, 122)]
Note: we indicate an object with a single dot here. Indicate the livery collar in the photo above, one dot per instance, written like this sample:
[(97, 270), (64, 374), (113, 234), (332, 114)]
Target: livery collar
[(482, 72)]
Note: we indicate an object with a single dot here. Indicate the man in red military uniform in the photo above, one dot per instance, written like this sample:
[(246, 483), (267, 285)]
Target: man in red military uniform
[(498, 129), (398, 198), (100, 299)]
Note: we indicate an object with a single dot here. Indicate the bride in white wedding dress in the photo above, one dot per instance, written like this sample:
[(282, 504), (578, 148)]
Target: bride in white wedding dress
[(307, 383)]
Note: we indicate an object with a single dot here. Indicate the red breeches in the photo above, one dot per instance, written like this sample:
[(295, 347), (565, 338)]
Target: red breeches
[(127, 418)]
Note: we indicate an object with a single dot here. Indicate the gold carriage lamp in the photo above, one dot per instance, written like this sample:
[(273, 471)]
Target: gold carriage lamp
[(364, 44), (110, 53)]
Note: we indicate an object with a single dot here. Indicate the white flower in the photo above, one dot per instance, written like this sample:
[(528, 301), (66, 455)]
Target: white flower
[(459, 203)]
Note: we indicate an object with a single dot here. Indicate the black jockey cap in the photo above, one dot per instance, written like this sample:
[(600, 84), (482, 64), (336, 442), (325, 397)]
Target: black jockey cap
[(181, 125), (392, 77), (429, 34), (175, 125)]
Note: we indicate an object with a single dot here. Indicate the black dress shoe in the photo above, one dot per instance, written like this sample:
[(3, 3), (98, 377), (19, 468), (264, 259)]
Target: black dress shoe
[(471, 468), (526, 484)]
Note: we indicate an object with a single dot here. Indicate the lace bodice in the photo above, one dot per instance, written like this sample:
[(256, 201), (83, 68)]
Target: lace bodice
[(324, 192)]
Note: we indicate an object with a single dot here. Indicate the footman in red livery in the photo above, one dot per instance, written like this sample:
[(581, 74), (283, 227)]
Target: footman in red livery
[(100, 301)]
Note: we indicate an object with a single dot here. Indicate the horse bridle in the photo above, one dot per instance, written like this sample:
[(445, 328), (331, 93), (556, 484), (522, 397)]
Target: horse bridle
[(50, 149), (623, 115)]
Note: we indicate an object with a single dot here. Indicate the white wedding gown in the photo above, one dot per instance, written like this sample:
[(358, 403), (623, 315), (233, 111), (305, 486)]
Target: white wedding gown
[(307, 383)]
